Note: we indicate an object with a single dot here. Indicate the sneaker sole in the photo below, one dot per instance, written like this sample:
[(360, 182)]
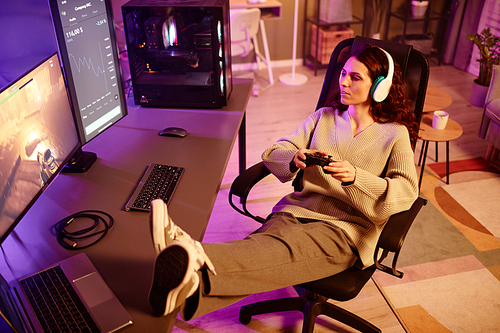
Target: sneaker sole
[(172, 280), (157, 213)]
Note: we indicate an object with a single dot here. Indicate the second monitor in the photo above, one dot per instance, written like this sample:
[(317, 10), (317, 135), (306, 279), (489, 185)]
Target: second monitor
[(86, 38)]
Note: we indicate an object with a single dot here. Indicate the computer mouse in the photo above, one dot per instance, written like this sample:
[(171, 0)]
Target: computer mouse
[(173, 131)]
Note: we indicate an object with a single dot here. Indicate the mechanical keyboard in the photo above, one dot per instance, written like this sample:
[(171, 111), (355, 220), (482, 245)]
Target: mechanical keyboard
[(158, 182)]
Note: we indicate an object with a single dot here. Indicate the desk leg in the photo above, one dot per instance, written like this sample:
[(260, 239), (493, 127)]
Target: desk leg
[(242, 144), (425, 145)]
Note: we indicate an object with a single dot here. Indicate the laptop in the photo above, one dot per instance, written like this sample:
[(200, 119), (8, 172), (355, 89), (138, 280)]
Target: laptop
[(37, 141), (99, 310)]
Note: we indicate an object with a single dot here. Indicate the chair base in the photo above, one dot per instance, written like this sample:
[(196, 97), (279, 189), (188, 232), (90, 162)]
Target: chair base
[(311, 305)]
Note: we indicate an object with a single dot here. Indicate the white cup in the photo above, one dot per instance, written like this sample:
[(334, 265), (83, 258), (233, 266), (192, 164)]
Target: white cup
[(418, 8), (440, 119)]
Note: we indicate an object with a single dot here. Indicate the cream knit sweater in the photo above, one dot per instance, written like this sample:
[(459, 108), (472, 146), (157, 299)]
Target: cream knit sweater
[(362, 208)]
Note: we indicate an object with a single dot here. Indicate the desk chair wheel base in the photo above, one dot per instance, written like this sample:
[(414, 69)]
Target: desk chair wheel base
[(311, 305)]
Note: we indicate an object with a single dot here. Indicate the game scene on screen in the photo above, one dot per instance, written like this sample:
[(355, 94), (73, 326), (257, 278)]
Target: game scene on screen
[(37, 132)]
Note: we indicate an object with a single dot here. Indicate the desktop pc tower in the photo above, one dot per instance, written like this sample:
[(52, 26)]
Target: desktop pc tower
[(179, 52)]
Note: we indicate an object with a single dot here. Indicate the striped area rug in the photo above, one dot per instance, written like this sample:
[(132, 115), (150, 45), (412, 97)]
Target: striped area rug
[(451, 257)]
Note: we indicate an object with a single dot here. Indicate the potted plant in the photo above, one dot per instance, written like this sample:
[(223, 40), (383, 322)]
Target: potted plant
[(489, 50)]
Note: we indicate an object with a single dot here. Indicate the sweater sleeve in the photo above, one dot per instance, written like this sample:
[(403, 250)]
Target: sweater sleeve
[(277, 158), (380, 197)]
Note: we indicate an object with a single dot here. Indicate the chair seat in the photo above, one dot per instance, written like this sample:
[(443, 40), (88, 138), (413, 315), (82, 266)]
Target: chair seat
[(343, 286)]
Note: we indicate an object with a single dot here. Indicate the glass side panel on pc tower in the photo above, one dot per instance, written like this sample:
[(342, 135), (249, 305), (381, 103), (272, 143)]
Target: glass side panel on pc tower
[(179, 52), (86, 38)]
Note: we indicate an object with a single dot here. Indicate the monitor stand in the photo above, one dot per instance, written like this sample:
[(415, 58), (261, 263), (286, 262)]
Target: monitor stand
[(80, 162)]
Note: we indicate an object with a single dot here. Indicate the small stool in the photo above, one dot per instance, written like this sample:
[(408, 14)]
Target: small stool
[(427, 133)]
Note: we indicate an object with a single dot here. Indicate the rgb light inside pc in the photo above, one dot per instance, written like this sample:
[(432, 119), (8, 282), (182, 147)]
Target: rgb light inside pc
[(179, 52)]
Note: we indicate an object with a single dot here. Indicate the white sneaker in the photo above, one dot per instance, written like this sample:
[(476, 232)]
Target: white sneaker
[(175, 278), (164, 232)]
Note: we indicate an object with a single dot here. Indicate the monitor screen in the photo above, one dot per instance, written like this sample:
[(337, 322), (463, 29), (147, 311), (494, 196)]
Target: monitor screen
[(37, 137), (86, 38)]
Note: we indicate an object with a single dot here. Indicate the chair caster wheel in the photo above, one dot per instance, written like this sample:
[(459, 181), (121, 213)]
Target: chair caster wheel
[(255, 90)]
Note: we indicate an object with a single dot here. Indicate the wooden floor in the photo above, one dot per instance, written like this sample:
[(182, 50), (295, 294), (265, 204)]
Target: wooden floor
[(277, 111)]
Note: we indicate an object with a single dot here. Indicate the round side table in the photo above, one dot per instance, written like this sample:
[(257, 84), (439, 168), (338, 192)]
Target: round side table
[(436, 99), (427, 133)]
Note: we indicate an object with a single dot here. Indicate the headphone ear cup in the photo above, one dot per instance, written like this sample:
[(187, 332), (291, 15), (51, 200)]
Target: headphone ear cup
[(382, 90), (375, 84)]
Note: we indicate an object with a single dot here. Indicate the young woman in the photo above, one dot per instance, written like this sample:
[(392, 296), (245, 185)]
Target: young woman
[(333, 223)]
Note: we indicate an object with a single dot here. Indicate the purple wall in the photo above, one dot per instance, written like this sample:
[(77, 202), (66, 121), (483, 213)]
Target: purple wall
[(26, 36)]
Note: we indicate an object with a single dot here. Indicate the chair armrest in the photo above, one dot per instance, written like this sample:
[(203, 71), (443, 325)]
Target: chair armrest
[(242, 186), (394, 234)]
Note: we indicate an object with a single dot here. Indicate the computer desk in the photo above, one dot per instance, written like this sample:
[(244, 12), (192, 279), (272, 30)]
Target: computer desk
[(125, 257)]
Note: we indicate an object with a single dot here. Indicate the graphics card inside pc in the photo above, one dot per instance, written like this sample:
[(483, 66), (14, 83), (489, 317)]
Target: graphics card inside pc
[(179, 52)]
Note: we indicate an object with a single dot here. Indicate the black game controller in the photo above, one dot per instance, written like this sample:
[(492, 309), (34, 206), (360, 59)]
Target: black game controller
[(318, 159)]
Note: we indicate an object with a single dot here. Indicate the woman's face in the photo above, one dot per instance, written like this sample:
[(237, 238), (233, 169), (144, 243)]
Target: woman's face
[(355, 83)]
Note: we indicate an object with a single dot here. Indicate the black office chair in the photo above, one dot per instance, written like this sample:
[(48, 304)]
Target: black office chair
[(347, 284)]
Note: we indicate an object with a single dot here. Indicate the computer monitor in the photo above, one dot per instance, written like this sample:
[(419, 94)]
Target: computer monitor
[(87, 46), (38, 137)]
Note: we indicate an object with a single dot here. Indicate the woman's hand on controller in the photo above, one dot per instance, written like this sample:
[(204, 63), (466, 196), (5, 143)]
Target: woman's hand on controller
[(342, 171), (300, 158)]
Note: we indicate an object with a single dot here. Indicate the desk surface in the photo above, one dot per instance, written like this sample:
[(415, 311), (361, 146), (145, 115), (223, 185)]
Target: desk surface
[(125, 257)]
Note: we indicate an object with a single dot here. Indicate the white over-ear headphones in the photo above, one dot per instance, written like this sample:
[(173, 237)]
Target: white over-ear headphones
[(380, 88)]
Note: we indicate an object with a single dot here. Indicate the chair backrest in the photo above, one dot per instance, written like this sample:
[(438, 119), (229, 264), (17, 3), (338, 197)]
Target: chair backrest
[(413, 64), (244, 24)]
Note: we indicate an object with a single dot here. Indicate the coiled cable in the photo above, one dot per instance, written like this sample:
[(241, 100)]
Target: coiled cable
[(69, 239)]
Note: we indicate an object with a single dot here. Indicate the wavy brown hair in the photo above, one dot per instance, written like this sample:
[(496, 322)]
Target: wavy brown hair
[(396, 107)]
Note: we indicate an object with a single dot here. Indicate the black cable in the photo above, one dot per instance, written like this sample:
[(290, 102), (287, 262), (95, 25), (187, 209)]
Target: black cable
[(64, 235)]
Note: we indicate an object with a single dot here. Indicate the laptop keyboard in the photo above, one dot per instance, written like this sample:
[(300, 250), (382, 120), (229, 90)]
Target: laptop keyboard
[(56, 303), (158, 182)]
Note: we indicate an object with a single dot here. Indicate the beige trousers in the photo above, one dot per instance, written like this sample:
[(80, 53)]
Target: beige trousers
[(282, 253)]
